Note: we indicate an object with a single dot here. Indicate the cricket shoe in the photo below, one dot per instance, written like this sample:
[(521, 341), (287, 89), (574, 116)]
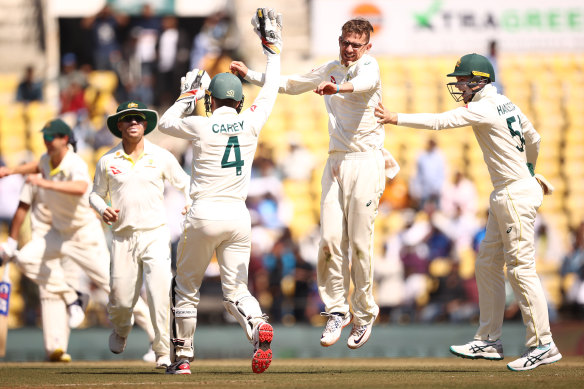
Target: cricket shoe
[(359, 335), (76, 310), (535, 356), (335, 324), (117, 343), (262, 339), (150, 355), (163, 362), (182, 366), (59, 356), (491, 350)]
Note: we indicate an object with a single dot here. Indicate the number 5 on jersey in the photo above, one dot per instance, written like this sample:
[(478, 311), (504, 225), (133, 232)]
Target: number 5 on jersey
[(233, 142)]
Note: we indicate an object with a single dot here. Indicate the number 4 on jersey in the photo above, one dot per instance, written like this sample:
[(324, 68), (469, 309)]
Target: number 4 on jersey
[(233, 142)]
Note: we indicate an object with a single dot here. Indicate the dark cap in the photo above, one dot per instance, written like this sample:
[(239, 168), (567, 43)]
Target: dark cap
[(57, 127)]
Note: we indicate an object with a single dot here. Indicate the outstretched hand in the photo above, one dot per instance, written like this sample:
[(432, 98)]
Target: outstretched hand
[(385, 116), (238, 68)]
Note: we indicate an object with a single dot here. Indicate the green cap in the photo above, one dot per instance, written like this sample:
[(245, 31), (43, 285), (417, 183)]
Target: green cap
[(226, 86), (57, 127), (131, 107), (474, 65)]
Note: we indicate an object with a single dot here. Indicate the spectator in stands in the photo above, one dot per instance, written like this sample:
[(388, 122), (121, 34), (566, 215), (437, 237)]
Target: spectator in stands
[(389, 276), (459, 195), (572, 272), (430, 175), (172, 51), (104, 28), (298, 163), (29, 89), (493, 54), (215, 44), (146, 31)]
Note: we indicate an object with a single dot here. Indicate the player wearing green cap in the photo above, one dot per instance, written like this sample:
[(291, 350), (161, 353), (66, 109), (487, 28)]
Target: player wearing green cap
[(218, 221), (510, 147)]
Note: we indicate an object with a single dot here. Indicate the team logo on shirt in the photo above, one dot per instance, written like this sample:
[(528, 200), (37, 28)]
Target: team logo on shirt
[(253, 107)]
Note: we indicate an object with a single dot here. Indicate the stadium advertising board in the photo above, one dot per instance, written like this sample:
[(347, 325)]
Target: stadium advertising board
[(453, 26)]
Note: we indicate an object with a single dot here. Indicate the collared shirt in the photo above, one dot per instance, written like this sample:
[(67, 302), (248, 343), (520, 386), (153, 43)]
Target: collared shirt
[(69, 212), (503, 132), (352, 123), (136, 188), (224, 146)]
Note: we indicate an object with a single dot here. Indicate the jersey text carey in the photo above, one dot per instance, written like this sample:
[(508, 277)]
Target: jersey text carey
[(228, 128)]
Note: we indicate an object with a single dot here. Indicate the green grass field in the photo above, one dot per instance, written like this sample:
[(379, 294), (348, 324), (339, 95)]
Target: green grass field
[(297, 373)]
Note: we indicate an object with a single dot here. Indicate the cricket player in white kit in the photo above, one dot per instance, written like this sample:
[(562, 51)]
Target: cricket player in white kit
[(510, 147), (353, 178), (218, 220), (76, 232), (132, 175), (53, 308)]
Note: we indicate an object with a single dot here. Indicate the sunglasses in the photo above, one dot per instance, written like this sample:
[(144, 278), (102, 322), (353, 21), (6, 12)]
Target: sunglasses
[(354, 45), (50, 138), (132, 117)]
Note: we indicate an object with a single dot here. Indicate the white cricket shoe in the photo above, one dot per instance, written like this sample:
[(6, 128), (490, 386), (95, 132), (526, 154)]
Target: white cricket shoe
[(335, 324), (163, 361), (76, 315), (535, 356), (117, 343), (150, 355), (359, 335), (477, 349)]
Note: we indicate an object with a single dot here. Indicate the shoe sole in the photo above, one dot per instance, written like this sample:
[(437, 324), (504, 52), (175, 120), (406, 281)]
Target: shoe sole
[(547, 361), (336, 340), (477, 356), (262, 358), (179, 372)]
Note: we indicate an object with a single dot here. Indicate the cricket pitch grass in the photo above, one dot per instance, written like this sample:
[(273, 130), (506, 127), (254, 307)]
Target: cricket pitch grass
[(297, 373)]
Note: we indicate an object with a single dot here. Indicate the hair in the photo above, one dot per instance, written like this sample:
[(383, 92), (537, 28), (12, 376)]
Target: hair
[(359, 26)]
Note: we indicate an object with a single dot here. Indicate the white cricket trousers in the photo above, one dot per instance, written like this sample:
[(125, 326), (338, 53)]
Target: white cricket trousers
[(40, 260), (510, 241), (352, 184), (231, 241), (54, 310), (141, 257)]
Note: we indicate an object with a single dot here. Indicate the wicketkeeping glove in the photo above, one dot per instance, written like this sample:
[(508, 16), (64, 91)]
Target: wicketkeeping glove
[(546, 186), (192, 88), (268, 26)]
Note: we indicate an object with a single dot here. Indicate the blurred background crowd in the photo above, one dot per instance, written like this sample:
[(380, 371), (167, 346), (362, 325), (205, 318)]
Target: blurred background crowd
[(431, 216)]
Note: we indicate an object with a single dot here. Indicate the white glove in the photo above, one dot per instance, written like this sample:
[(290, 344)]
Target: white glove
[(267, 25), (8, 249), (546, 186), (192, 88)]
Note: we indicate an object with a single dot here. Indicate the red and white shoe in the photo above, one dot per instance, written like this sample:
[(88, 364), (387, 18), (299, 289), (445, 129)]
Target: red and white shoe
[(262, 356), (182, 366)]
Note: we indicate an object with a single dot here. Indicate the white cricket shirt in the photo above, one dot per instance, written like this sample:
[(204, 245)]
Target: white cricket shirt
[(40, 216), (352, 124), (69, 212), (224, 146), (503, 132), (136, 188)]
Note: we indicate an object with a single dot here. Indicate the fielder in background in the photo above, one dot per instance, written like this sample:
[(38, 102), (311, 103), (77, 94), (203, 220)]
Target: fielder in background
[(132, 175), (352, 182), (218, 220), (53, 308), (76, 232), (510, 148)]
